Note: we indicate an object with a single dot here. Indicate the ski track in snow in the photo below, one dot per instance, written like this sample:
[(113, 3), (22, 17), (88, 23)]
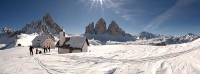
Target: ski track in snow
[(43, 66), (99, 62), (18, 67)]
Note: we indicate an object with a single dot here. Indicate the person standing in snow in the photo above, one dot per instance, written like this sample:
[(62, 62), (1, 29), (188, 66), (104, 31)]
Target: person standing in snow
[(31, 50), (44, 49), (36, 51), (49, 48)]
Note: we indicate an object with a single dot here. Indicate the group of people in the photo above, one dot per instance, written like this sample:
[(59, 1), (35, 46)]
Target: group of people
[(38, 51), (46, 49)]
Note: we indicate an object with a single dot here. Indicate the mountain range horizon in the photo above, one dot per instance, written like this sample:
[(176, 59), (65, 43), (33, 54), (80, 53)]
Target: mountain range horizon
[(91, 25)]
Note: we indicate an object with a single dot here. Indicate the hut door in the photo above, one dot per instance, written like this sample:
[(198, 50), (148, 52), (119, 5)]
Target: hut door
[(70, 50)]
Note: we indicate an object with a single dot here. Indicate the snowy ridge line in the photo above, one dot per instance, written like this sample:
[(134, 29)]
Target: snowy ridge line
[(140, 60), (42, 65)]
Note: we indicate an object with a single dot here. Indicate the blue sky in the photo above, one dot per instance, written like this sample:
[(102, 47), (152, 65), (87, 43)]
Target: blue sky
[(167, 17)]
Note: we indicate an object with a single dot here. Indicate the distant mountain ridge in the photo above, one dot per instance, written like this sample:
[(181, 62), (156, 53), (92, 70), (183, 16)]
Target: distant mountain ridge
[(99, 32), (167, 39), (147, 35)]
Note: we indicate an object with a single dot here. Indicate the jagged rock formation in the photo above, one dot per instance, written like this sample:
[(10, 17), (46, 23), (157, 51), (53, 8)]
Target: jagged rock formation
[(90, 28), (45, 26), (100, 27), (113, 29)]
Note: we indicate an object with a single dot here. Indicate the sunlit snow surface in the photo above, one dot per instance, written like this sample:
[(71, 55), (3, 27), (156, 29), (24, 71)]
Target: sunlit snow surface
[(106, 59)]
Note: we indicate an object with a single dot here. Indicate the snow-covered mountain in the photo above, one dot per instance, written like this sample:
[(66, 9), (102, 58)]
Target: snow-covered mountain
[(45, 26), (147, 35), (151, 38)]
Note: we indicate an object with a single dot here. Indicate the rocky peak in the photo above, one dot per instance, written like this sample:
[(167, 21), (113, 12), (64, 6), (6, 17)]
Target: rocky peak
[(47, 18), (90, 28), (113, 29), (43, 27), (191, 34), (100, 27), (113, 23)]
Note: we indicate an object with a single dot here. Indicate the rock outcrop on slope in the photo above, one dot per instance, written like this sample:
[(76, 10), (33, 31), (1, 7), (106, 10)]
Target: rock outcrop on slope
[(100, 27), (90, 28)]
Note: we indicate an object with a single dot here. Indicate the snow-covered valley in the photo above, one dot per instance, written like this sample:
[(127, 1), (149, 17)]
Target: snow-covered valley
[(106, 59)]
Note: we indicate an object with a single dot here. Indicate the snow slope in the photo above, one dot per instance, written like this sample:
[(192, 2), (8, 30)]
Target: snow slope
[(106, 59)]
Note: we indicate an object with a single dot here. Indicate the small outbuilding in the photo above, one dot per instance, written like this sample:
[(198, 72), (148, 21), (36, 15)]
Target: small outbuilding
[(44, 41)]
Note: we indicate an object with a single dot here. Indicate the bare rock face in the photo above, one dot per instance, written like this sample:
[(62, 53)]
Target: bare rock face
[(100, 27), (113, 29), (48, 19), (90, 28)]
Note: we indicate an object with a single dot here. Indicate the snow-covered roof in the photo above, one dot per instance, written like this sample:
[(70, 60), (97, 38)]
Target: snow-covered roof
[(40, 38), (76, 42)]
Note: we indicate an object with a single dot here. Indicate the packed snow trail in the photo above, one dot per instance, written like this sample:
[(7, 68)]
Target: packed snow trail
[(18, 61)]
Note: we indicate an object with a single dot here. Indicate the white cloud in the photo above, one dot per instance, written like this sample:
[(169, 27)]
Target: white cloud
[(116, 6), (166, 15)]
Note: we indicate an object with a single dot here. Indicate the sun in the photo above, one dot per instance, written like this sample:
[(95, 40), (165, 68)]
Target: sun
[(100, 1), (97, 4)]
